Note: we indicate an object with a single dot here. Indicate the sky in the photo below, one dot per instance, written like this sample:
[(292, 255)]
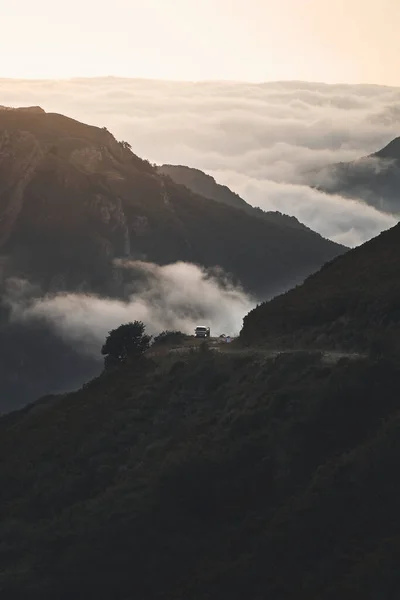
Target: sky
[(352, 41)]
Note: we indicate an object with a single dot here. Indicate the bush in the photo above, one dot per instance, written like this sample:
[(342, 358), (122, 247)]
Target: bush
[(170, 337), (125, 341)]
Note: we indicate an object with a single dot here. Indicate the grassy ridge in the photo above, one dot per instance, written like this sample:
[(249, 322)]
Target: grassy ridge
[(346, 304), (207, 477)]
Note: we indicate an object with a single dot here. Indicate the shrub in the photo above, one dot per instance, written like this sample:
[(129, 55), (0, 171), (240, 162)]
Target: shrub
[(170, 337), (125, 341)]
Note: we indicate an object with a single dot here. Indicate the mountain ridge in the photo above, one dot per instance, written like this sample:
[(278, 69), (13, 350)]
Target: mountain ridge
[(346, 304), (75, 203), (230, 476), (201, 183), (373, 179), (63, 180)]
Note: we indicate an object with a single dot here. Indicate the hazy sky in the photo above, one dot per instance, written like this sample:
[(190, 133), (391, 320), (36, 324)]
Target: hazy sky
[(249, 40)]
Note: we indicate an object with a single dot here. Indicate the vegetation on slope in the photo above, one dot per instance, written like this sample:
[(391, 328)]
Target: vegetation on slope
[(347, 304), (207, 477)]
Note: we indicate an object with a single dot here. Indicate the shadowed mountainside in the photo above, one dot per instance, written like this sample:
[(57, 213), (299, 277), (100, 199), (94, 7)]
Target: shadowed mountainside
[(346, 304), (205, 185), (221, 475), (73, 199), (207, 477), (375, 179)]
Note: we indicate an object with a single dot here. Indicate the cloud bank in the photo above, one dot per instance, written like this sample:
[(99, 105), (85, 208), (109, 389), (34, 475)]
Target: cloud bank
[(261, 139), (345, 221), (178, 296)]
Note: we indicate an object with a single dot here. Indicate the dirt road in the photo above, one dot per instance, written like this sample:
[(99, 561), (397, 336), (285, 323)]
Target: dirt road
[(218, 345)]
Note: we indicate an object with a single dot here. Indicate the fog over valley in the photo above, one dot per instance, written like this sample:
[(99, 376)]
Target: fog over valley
[(172, 297)]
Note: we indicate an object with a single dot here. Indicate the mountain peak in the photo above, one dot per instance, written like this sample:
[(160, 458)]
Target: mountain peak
[(373, 179), (392, 150)]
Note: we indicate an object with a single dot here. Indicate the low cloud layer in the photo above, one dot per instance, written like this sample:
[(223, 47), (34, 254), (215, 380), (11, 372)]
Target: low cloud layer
[(261, 139), (177, 296), (347, 222)]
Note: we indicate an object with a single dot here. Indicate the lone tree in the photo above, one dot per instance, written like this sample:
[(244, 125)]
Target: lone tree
[(125, 341)]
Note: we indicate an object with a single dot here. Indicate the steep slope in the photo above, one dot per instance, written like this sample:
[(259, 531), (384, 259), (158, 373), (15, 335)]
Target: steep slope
[(346, 304), (72, 199), (375, 179), (207, 478), (205, 185)]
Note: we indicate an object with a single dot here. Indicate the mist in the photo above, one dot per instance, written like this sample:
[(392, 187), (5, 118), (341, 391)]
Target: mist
[(260, 139), (178, 296), (348, 222)]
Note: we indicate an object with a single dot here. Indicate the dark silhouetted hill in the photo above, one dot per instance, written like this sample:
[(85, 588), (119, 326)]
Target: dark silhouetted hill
[(73, 199), (207, 477), (347, 304), (205, 185), (374, 179)]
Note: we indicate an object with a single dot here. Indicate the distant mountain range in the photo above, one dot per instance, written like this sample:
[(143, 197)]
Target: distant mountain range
[(374, 179), (74, 200), (205, 185)]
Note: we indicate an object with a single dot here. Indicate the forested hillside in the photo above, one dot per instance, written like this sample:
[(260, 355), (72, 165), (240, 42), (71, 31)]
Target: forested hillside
[(207, 476)]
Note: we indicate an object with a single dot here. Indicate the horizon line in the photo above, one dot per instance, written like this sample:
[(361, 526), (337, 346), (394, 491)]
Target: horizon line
[(190, 81)]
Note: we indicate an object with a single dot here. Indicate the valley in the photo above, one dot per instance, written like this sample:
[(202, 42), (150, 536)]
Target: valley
[(81, 214), (266, 466), (200, 300)]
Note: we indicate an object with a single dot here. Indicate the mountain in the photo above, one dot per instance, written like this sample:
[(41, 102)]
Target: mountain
[(346, 304), (72, 199), (374, 179), (205, 185), (207, 477), (75, 202)]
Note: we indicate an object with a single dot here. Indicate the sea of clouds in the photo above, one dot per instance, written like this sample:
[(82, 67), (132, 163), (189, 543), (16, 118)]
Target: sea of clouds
[(262, 140)]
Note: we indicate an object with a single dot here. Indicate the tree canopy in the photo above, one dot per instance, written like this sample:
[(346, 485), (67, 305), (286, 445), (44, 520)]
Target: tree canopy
[(125, 341)]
